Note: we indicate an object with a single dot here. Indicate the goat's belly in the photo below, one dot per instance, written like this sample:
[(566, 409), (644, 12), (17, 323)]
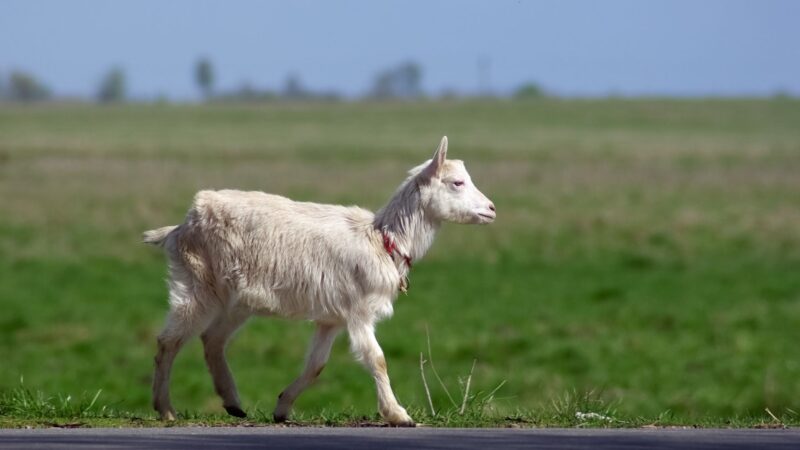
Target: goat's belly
[(269, 302), (257, 301), (322, 291), (265, 302)]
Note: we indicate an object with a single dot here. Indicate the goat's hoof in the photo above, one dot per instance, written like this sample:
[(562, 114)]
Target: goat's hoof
[(400, 419), (167, 416), (235, 411), (408, 424)]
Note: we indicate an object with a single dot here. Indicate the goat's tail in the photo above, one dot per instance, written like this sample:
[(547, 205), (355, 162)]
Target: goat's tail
[(157, 236)]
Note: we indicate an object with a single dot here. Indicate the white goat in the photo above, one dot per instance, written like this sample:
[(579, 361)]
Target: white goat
[(249, 253)]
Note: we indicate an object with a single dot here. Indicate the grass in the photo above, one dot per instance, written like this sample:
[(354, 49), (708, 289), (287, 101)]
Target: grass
[(22, 408), (646, 252)]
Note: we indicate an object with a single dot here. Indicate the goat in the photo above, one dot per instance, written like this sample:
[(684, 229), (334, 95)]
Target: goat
[(239, 254)]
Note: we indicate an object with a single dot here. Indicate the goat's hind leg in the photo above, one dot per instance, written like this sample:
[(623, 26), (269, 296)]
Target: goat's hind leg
[(318, 353), (182, 324), (215, 338)]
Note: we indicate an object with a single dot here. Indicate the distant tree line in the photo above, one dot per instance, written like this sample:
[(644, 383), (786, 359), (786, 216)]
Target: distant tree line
[(204, 77), (400, 82), (403, 81), (22, 87), (112, 87), (293, 88)]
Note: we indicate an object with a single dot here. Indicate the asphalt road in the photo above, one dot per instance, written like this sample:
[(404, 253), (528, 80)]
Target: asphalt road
[(396, 438)]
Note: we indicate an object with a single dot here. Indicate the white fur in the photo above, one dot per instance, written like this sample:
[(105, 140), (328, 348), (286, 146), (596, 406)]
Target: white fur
[(239, 254)]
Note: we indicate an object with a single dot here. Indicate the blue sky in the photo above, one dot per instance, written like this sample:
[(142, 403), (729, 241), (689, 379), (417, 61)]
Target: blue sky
[(583, 48)]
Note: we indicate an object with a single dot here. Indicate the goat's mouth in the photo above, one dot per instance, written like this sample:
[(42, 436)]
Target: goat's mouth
[(487, 217)]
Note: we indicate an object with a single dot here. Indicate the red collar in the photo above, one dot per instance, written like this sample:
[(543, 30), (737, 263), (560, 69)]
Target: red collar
[(391, 246)]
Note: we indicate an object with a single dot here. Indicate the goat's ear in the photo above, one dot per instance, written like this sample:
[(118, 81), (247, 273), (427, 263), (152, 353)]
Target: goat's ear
[(435, 167)]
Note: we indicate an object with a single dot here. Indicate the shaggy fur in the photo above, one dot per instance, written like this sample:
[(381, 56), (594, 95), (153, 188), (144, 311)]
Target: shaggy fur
[(239, 254)]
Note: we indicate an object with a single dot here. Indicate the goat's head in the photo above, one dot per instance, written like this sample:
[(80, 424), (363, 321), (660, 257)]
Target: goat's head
[(447, 191)]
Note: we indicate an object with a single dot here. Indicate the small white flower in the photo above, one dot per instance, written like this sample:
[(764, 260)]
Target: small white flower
[(592, 416)]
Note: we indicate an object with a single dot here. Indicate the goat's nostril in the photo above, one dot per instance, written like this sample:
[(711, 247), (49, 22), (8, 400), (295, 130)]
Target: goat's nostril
[(491, 206)]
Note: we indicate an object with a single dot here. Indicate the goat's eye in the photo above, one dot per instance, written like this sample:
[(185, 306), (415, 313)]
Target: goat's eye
[(458, 183)]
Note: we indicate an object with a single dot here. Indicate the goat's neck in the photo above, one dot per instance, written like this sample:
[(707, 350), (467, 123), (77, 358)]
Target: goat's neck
[(405, 222)]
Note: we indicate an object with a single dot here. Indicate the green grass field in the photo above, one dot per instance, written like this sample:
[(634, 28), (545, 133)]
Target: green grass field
[(645, 262)]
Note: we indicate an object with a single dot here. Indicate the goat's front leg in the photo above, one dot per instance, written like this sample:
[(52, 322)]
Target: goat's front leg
[(366, 349)]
